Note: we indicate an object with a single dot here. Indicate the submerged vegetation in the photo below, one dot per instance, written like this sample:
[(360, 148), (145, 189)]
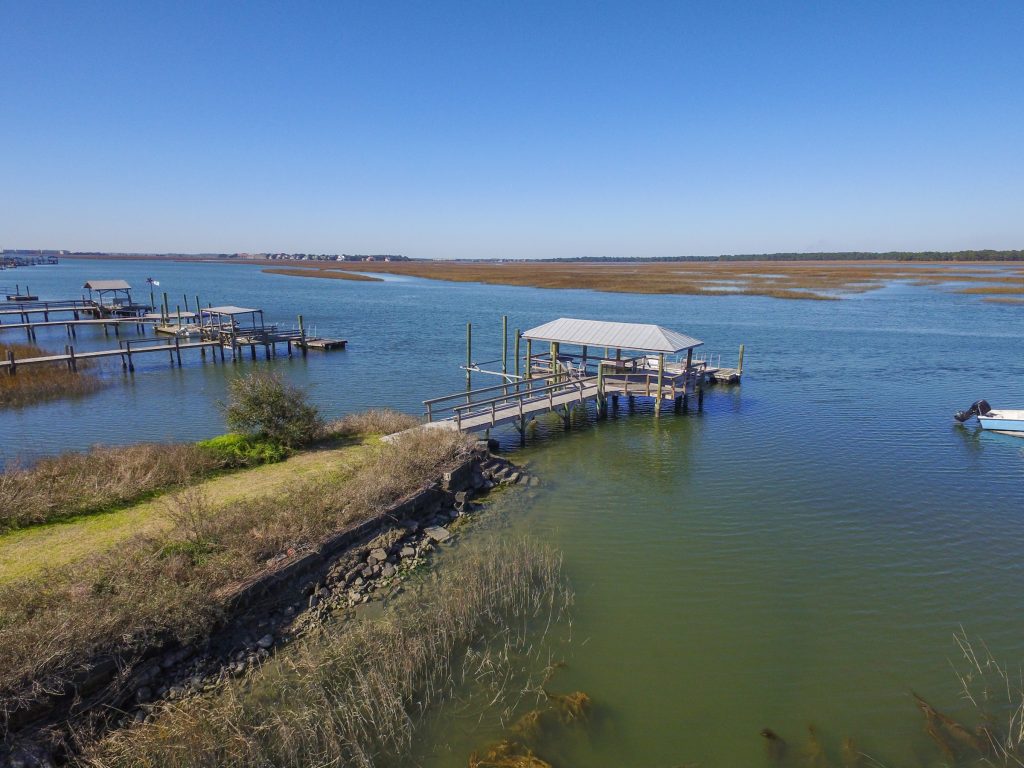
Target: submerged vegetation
[(39, 383), (355, 693), (777, 279)]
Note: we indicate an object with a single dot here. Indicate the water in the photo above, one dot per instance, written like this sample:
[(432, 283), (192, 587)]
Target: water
[(802, 551)]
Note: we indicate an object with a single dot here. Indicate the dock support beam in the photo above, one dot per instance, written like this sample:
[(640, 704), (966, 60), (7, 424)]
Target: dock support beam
[(529, 358), (661, 377), (469, 356), (739, 364), (504, 343), (302, 335)]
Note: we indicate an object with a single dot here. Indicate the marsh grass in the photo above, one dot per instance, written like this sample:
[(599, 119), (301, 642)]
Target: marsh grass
[(355, 693), (79, 483), (39, 383), (785, 280), (177, 581), (377, 421)]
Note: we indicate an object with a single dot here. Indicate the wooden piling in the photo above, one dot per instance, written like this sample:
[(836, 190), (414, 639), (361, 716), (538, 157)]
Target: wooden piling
[(517, 353), (504, 343), (739, 364), (12, 368), (529, 359), (302, 335), (177, 349), (469, 356)]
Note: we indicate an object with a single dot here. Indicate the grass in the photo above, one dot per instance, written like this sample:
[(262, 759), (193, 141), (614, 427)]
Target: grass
[(787, 280), (355, 694), (176, 578), (29, 551), (75, 483), (39, 383), (333, 275)]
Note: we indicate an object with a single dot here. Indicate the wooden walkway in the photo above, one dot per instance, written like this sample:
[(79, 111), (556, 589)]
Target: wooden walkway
[(126, 352)]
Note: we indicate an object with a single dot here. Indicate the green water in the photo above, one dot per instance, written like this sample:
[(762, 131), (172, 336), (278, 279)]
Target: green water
[(800, 552)]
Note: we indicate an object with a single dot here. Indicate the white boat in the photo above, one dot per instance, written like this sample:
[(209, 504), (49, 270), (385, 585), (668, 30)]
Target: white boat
[(1003, 421)]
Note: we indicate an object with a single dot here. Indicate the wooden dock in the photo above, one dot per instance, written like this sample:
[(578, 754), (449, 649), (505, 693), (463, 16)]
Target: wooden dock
[(556, 381)]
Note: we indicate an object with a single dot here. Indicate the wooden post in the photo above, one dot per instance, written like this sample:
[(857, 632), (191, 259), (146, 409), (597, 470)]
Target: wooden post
[(602, 406), (517, 354), (152, 298), (186, 306), (529, 359), (167, 311), (661, 376), (739, 365), (177, 349), (302, 335), (554, 362), (128, 349), (469, 356), (73, 361), (504, 343), (12, 368)]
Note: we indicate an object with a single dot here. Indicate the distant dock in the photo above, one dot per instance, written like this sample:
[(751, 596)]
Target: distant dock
[(110, 305)]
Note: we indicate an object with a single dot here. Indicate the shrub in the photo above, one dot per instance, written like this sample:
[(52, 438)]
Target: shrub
[(235, 450), (263, 405)]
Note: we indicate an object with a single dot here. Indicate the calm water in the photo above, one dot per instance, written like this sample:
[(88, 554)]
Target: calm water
[(802, 551)]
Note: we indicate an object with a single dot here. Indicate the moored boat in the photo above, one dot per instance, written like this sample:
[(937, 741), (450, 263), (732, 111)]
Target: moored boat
[(997, 421), (1003, 421)]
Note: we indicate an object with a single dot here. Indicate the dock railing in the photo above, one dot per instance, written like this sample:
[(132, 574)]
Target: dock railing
[(502, 397)]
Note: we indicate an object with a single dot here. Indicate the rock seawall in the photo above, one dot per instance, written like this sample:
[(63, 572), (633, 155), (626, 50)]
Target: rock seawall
[(261, 613)]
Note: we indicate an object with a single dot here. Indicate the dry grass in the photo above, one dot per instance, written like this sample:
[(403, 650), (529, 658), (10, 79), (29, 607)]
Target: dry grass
[(377, 421), (177, 580), (100, 479), (333, 275), (788, 280), (355, 694), (38, 383)]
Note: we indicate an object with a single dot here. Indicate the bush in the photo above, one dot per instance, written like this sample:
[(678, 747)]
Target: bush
[(235, 450), (262, 405)]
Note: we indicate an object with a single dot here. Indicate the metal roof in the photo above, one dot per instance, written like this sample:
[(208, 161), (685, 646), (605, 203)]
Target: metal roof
[(639, 337), (172, 315), (107, 285), (228, 310)]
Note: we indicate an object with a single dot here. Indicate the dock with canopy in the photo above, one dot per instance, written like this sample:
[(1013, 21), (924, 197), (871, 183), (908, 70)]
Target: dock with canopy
[(584, 360)]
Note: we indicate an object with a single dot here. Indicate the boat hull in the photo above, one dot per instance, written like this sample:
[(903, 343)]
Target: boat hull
[(1003, 421)]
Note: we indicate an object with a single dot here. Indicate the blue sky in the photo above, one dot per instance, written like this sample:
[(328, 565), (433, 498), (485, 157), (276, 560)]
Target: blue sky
[(487, 129)]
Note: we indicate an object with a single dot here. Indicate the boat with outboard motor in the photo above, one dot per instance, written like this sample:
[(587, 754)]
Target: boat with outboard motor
[(997, 421)]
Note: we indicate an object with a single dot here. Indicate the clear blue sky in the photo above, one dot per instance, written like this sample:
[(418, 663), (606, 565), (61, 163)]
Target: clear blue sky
[(509, 129)]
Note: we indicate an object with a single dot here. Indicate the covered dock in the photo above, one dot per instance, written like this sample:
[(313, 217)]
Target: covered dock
[(583, 360)]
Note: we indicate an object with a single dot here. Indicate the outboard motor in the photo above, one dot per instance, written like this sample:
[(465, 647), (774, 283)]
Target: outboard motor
[(980, 408)]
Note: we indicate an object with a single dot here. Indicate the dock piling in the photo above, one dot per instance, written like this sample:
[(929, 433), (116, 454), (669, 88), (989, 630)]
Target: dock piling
[(469, 356)]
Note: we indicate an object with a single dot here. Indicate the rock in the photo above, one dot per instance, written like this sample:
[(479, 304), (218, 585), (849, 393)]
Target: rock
[(437, 533), (511, 479), (534, 481), (144, 694), (388, 571), (266, 641), (175, 692), (377, 569), (367, 572), (359, 582), (461, 497), (377, 556), (407, 552), (139, 716)]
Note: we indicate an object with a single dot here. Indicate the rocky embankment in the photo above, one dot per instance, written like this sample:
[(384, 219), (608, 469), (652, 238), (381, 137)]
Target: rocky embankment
[(297, 590)]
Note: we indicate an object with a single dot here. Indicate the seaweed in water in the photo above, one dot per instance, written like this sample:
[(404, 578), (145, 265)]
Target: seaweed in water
[(852, 757), (507, 754), (774, 745), (529, 725), (942, 728), (571, 706), (815, 752)]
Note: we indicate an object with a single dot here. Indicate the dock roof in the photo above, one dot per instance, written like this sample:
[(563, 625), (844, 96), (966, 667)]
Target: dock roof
[(228, 310), (107, 285), (639, 337)]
